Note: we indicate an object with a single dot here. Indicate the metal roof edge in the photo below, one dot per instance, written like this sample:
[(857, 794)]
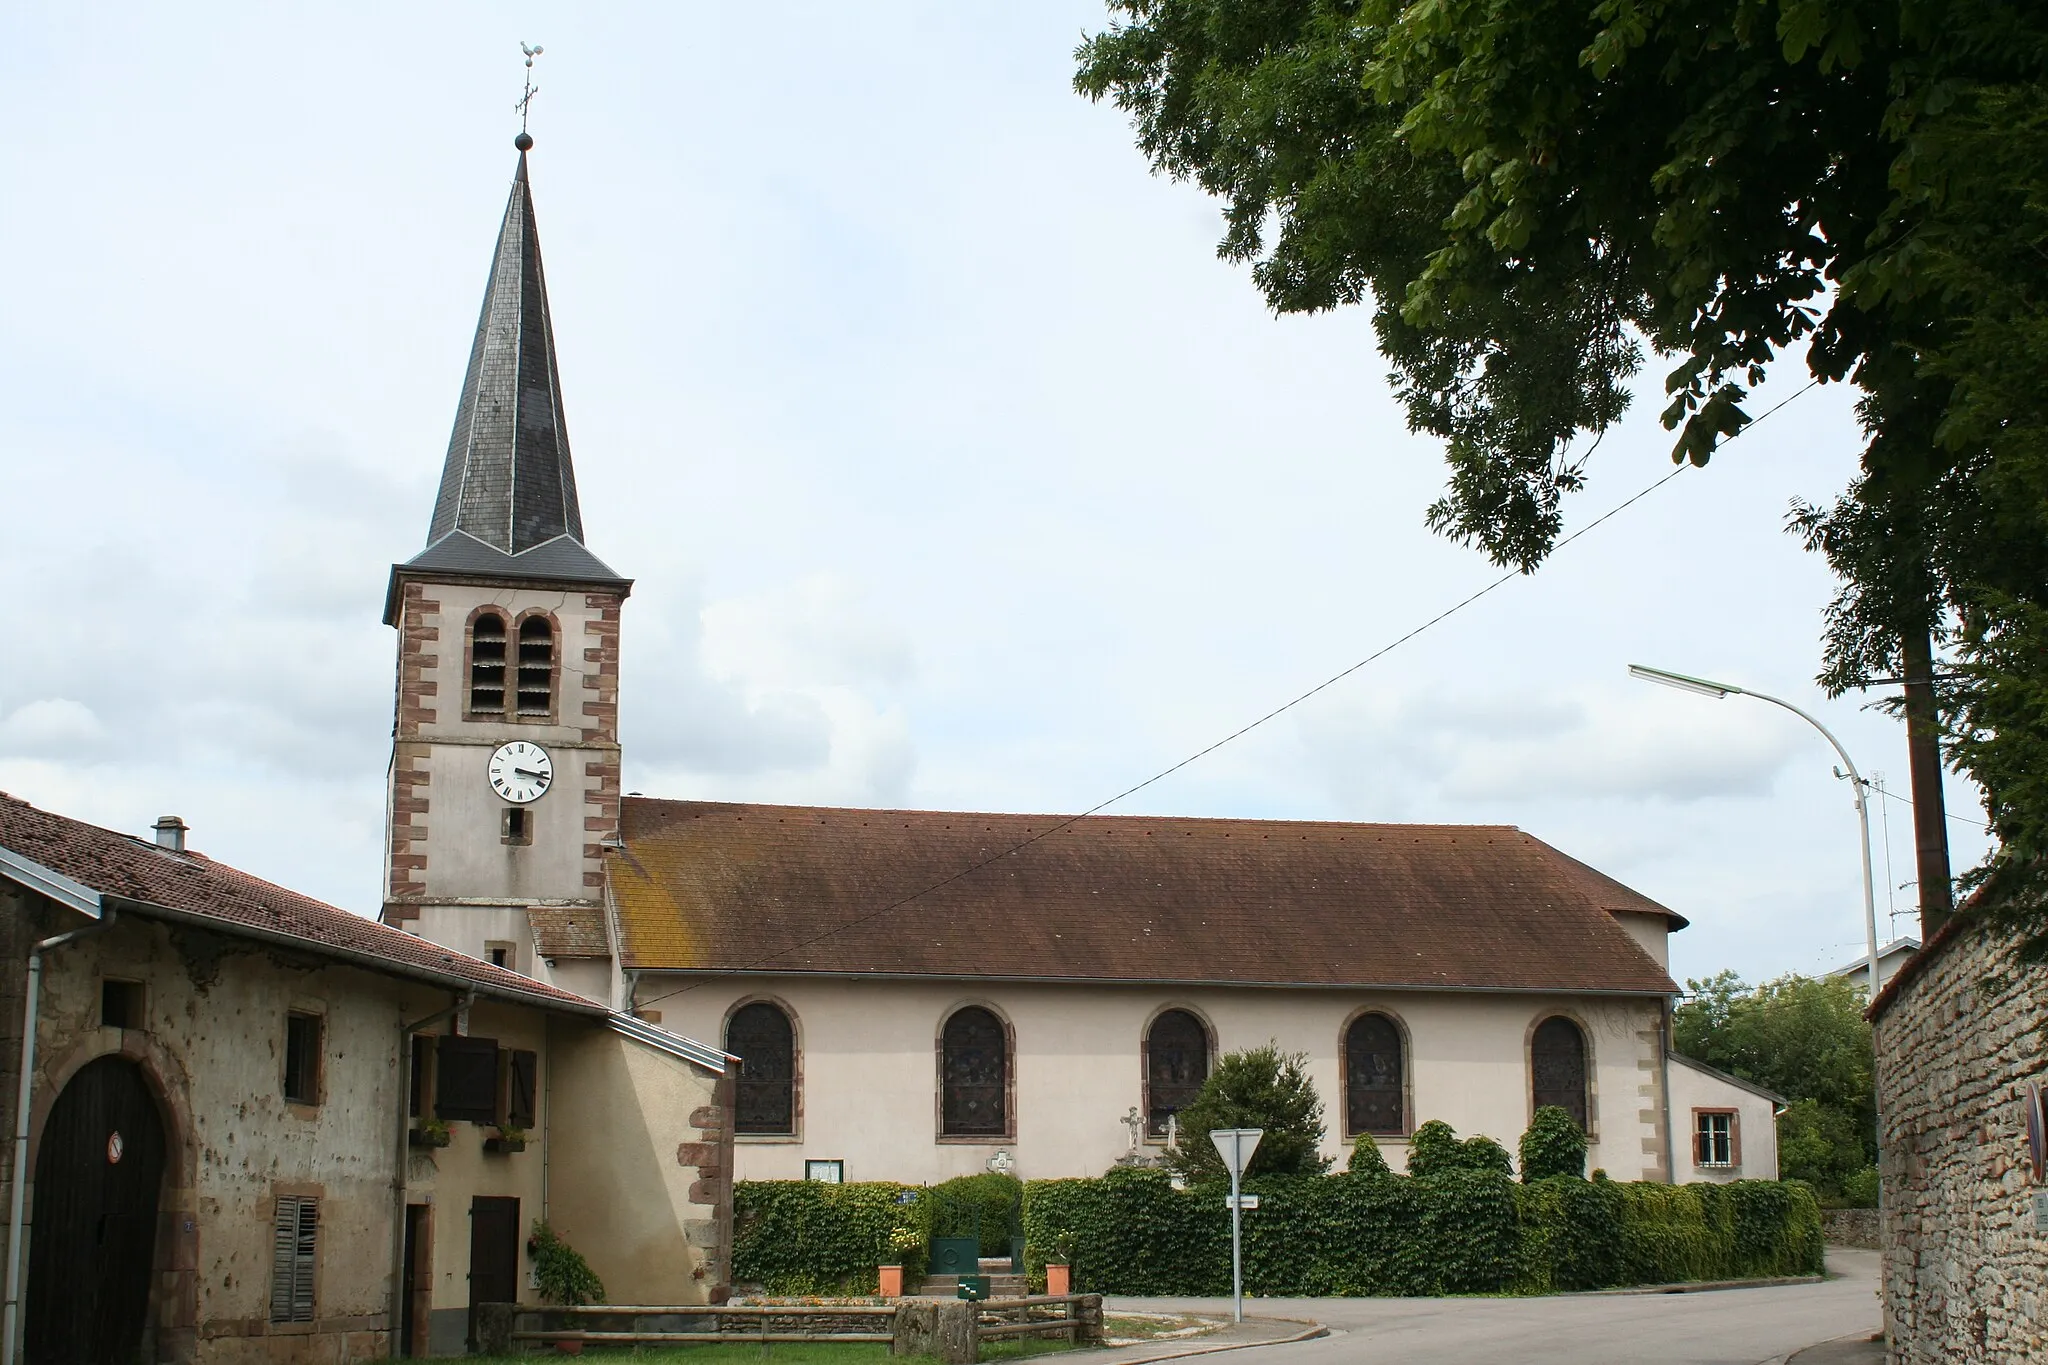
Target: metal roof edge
[(674, 1044), (48, 882)]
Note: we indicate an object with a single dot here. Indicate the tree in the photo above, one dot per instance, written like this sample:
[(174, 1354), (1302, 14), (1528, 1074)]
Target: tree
[(1532, 195), (1806, 1039), (1259, 1088)]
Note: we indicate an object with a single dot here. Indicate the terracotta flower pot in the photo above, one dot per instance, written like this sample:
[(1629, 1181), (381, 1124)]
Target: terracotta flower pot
[(1059, 1278), (569, 1348), (892, 1281)]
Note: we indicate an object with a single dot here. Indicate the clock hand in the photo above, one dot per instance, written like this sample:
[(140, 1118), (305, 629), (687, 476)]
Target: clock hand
[(528, 772)]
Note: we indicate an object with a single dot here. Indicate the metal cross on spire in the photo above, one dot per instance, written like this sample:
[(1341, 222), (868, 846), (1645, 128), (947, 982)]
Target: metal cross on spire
[(524, 141)]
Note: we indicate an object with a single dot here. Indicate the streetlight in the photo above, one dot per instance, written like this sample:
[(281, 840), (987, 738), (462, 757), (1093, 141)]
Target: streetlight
[(1718, 690)]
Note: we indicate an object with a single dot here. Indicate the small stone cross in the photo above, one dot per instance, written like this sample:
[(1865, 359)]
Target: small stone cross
[(1136, 1123)]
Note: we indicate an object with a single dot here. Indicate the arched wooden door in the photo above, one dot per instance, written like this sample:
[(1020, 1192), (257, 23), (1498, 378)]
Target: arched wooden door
[(89, 1250)]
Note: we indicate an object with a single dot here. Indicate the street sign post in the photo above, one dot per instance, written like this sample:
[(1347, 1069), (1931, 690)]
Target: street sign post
[(1235, 1146)]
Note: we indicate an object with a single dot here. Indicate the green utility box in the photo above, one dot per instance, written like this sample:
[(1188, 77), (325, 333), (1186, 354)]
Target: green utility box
[(973, 1287)]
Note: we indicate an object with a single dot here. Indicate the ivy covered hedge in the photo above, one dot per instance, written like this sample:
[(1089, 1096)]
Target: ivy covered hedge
[(1465, 1227), (1454, 1231)]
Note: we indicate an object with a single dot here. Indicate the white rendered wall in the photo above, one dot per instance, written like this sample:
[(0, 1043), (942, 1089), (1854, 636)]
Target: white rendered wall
[(1694, 1089), (867, 1063)]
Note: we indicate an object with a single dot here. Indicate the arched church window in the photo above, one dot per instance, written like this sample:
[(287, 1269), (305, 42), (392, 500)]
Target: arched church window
[(536, 667), (1375, 1077), (1557, 1065), (974, 1073), (1176, 1064), (764, 1099), (487, 644)]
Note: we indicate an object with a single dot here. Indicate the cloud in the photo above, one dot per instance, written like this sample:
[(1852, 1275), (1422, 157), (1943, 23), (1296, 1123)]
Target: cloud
[(55, 728)]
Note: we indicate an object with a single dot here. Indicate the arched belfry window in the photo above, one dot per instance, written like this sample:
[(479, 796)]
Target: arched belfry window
[(974, 1075), (1176, 1064), (536, 668), (487, 644), (1375, 1077), (764, 1099), (1557, 1068)]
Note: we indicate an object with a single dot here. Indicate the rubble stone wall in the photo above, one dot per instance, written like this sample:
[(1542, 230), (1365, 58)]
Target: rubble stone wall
[(1965, 1275)]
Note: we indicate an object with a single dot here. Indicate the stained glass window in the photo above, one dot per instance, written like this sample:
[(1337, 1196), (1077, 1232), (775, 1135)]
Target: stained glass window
[(1375, 1094), (1176, 1064), (975, 1070), (1557, 1057), (760, 1035)]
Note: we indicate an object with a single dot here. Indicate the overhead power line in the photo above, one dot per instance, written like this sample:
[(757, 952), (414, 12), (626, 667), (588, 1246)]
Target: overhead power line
[(971, 868)]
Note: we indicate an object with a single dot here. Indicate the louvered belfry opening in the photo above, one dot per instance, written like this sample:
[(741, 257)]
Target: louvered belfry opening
[(536, 668), (1176, 1065), (487, 645)]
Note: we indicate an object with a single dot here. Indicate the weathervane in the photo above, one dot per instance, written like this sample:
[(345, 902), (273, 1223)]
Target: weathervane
[(523, 141)]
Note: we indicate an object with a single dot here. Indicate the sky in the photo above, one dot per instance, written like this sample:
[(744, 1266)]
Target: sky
[(953, 467)]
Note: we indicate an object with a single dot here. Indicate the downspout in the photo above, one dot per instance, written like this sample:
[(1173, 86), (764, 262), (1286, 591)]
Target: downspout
[(17, 1205), (1664, 1095), (405, 1033)]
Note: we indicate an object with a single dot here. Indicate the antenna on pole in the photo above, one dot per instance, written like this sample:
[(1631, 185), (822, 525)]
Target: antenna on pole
[(524, 141)]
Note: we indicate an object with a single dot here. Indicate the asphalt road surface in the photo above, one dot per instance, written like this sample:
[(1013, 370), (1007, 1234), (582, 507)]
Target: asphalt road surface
[(1723, 1327)]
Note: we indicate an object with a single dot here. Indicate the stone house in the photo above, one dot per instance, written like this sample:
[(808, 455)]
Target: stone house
[(234, 1096), (1963, 1209)]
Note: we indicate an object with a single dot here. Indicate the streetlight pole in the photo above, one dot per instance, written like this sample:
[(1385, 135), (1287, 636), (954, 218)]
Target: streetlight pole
[(1718, 690)]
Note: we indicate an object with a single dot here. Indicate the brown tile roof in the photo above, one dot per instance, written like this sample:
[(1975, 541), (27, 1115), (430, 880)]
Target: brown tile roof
[(569, 931), (193, 885), (704, 886)]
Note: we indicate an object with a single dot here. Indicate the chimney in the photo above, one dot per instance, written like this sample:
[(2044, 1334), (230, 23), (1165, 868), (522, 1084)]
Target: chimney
[(170, 833)]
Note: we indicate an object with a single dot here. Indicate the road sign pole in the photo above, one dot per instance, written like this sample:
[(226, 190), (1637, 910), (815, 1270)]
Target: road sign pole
[(1236, 1245)]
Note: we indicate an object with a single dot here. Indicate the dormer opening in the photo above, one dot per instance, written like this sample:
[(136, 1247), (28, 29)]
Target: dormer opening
[(536, 668), (487, 645)]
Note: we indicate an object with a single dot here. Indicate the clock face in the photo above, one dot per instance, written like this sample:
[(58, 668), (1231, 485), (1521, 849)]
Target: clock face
[(520, 772)]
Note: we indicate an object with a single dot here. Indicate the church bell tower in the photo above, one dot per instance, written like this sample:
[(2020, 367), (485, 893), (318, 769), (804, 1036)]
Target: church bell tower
[(504, 784)]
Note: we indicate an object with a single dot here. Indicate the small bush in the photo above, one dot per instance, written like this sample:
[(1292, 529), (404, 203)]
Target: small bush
[(1259, 1088), (1366, 1158), (1435, 1149), (564, 1276), (1553, 1145), (1859, 1191)]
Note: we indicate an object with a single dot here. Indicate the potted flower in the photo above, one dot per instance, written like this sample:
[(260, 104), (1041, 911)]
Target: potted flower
[(1059, 1267), (430, 1133), (507, 1139), (902, 1242)]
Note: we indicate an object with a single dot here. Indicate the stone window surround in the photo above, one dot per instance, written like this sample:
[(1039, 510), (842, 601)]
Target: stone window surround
[(1586, 1037), (513, 621), (1145, 1058), (1344, 1075), (1009, 1134), (796, 1069)]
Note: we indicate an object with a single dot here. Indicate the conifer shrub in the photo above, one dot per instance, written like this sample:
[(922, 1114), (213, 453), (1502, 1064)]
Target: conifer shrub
[(1366, 1158), (1553, 1145)]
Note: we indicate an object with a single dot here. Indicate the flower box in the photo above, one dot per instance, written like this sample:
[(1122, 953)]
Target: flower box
[(427, 1137)]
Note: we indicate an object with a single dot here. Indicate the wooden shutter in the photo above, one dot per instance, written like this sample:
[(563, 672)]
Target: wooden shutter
[(295, 1234), (521, 1075), (466, 1079)]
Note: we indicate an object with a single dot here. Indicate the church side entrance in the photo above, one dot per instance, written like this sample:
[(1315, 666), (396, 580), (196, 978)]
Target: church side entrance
[(98, 1177)]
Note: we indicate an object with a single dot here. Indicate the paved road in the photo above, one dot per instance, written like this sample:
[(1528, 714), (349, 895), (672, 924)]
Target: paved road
[(1726, 1327)]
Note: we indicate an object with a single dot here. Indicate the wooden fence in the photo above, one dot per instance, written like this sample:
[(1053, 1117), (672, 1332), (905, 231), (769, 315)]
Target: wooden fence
[(950, 1329)]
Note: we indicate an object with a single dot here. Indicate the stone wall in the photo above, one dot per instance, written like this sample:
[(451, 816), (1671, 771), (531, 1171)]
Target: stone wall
[(1965, 1275), (1850, 1228)]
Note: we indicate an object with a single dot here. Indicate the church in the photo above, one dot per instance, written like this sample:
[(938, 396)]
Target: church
[(915, 995)]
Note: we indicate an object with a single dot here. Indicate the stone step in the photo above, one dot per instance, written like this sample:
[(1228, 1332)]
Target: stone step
[(1005, 1285)]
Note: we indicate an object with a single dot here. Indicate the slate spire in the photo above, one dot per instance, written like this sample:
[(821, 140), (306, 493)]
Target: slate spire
[(508, 480), (507, 507)]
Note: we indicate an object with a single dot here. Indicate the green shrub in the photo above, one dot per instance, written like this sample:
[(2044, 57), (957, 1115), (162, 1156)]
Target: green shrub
[(564, 1276), (1859, 1191), (1435, 1149), (1553, 1145), (808, 1237), (996, 1198), (1259, 1088), (1467, 1233), (1571, 1234), (1366, 1158)]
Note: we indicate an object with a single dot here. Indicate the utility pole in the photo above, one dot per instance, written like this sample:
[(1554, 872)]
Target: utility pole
[(1923, 749)]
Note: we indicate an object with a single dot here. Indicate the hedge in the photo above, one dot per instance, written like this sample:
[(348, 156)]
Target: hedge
[(1457, 1231)]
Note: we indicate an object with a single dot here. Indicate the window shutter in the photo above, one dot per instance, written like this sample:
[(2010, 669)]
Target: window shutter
[(520, 1089), (1735, 1138), (466, 1083), (293, 1255)]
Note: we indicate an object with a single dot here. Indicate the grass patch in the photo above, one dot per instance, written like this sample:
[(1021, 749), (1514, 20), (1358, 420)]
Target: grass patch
[(1015, 1348), (723, 1353)]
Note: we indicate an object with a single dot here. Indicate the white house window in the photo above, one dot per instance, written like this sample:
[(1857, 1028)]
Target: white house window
[(1714, 1138)]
